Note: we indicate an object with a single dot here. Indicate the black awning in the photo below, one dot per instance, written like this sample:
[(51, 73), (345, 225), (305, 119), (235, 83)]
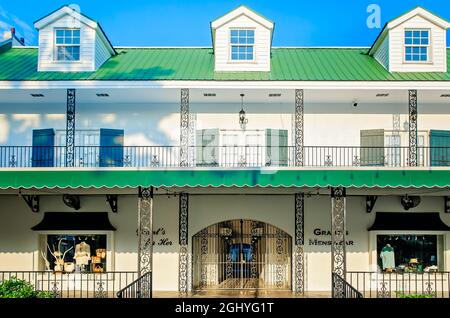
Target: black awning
[(74, 221), (387, 221)]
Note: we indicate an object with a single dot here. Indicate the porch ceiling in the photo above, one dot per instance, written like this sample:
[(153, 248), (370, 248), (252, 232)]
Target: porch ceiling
[(222, 96), (202, 178)]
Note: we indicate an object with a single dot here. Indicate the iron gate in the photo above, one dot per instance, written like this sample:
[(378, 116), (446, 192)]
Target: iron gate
[(241, 254)]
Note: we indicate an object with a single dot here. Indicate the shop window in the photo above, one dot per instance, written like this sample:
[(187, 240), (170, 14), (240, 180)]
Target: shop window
[(409, 253), (76, 253)]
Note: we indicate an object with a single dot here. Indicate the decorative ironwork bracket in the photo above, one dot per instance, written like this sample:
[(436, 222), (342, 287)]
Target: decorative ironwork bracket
[(70, 128), (412, 128), (113, 199), (145, 231), (299, 142), (183, 240), (184, 128), (447, 204), (370, 202), (338, 229), (32, 201)]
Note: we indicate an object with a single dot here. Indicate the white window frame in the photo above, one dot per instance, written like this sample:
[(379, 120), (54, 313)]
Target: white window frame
[(56, 46), (428, 46), (238, 45)]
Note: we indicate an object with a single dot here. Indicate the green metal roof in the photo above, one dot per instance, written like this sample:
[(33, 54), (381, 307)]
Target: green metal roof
[(288, 64), (112, 178)]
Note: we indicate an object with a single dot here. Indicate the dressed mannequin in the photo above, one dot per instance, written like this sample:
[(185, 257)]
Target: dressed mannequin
[(82, 253), (388, 257)]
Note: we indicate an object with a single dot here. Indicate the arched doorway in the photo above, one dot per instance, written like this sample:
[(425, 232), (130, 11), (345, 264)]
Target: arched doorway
[(241, 254)]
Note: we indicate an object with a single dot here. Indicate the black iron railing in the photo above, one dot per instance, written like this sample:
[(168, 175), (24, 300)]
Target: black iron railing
[(223, 156), (401, 285), (343, 289), (74, 285), (140, 288)]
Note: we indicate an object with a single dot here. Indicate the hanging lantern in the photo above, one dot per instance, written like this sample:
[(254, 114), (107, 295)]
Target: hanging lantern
[(242, 118)]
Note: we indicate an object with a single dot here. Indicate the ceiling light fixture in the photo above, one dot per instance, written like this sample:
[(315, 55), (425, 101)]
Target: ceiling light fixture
[(243, 121), (37, 95), (382, 95), (102, 95), (274, 95), (445, 95), (209, 94)]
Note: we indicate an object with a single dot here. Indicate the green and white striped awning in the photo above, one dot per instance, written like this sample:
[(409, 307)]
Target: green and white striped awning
[(39, 178)]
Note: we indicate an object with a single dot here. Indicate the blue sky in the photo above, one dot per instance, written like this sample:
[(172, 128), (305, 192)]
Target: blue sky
[(186, 23)]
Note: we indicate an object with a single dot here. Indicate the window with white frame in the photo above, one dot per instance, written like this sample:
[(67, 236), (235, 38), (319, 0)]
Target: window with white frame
[(417, 45), (242, 45), (67, 44)]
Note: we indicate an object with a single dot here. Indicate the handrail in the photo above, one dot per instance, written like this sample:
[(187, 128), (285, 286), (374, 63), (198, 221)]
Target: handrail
[(140, 288), (342, 289)]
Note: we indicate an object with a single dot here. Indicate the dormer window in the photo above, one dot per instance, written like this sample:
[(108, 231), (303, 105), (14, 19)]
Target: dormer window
[(417, 45), (242, 45), (67, 44)]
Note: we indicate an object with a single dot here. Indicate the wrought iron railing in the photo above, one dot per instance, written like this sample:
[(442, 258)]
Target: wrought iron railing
[(398, 285), (343, 289), (74, 285), (140, 288), (223, 156)]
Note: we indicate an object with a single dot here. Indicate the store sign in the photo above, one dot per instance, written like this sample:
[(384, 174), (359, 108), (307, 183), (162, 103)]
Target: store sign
[(160, 238), (321, 237)]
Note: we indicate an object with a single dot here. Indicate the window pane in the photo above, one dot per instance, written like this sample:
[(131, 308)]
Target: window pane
[(250, 40), (416, 49), (234, 40), (408, 57), (59, 32), (76, 33), (408, 33), (59, 41), (251, 33), (408, 50), (68, 33), (423, 57), (234, 49), (415, 57), (416, 33), (408, 40), (242, 33), (76, 41), (423, 50), (68, 41), (242, 49), (234, 56), (242, 40), (250, 49), (424, 41), (250, 57), (242, 56), (416, 41), (234, 33), (424, 34)]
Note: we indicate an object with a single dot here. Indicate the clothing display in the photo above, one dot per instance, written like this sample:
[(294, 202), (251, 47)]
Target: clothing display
[(387, 256), (82, 253)]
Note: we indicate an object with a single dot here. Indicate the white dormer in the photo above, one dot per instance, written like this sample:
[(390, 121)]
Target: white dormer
[(242, 40), (413, 42), (71, 42)]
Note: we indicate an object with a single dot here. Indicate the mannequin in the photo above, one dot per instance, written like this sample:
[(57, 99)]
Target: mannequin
[(388, 257), (82, 253)]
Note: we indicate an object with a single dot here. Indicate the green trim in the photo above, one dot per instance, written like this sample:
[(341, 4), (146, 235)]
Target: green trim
[(121, 178)]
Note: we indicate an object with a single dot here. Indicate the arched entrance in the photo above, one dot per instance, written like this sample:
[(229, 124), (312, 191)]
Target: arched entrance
[(241, 254)]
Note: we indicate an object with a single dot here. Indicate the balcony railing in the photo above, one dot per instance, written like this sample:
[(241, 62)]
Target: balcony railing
[(398, 285), (75, 285), (223, 156)]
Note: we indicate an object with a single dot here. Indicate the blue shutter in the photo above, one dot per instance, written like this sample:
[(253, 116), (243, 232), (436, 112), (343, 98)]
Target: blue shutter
[(440, 148), (111, 148), (43, 152), (276, 147)]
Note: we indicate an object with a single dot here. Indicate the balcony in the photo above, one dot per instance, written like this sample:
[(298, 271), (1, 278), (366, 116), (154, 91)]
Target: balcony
[(75, 285), (221, 157)]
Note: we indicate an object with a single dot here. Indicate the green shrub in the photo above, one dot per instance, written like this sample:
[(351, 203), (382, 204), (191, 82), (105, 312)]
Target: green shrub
[(18, 288), (402, 295)]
